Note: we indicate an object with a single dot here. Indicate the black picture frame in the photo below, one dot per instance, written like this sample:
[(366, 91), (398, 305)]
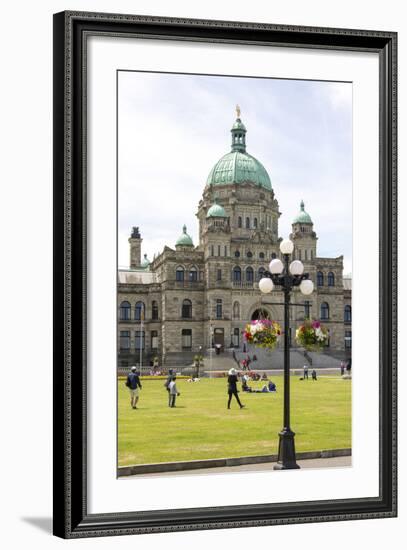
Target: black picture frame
[(71, 519)]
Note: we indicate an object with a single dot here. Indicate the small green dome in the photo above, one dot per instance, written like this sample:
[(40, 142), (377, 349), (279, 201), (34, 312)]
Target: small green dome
[(184, 239), (238, 125), (216, 211), (145, 263), (302, 216)]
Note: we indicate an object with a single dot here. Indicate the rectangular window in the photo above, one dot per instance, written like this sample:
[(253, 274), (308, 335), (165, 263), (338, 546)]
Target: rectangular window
[(212, 250), (179, 275), (154, 339), (226, 250), (186, 339), (124, 340), (140, 339), (305, 254), (348, 339), (236, 335), (218, 274), (307, 308), (218, 249), (218, 309)]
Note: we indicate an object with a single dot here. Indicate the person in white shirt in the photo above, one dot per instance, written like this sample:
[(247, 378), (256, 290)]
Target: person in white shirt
[(173, 391)]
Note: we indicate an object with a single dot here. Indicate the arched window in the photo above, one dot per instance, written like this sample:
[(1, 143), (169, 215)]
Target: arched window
[(193, 274), (237, 254), (125, 311), (331, 279), (260, 273), (237, 274), (347, 314), (247, 223), (236, 310), (250, 254), (154, 310), (320, 278), (273, 256), (324, 311), (239, 221), (255, 223), (261, 255), (186, 312), (179, 273), (139, 312), (249, 275)]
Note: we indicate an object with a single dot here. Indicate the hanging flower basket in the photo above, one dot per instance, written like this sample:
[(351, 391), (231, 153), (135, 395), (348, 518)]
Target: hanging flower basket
[(311, 335), (263, 333)]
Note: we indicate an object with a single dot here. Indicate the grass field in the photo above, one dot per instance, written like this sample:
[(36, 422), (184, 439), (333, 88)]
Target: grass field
[(201, 427)]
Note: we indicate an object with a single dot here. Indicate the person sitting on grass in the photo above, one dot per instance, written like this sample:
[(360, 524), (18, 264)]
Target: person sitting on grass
[(245, 386), (272, 386), (173, 391)]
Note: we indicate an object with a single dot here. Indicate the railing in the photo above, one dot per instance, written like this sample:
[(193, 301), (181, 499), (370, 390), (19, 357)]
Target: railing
[(244, 284)]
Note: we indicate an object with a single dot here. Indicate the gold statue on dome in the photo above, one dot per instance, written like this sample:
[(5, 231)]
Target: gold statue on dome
[(237, 111)]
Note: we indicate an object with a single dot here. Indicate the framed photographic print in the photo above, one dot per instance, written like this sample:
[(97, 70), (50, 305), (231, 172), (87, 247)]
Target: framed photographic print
[(224, 274)]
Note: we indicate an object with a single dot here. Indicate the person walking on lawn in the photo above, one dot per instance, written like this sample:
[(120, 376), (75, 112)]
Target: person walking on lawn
[(167, 384), (173, 391), (134, 385), (232, 387)]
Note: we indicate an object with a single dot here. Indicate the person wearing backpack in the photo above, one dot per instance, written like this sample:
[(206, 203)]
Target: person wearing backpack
[(134, 385)]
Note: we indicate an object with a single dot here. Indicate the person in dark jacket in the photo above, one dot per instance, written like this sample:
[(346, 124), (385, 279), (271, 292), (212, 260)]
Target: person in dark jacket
[(134, 385), (167, 384), (232, 387)]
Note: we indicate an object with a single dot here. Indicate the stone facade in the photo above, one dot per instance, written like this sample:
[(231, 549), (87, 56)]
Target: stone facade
[(193, 297)]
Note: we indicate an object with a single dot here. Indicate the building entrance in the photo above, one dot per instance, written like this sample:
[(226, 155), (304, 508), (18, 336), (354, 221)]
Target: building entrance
[(219, 337), (260, 314)]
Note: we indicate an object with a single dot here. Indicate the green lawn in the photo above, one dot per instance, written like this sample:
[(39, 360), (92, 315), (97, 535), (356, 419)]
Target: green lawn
[(201, 427)]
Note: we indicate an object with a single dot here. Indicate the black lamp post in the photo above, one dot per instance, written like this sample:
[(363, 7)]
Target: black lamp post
[(287, 276)]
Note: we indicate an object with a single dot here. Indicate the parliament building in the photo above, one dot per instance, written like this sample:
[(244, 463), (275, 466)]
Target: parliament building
[(193, 296)]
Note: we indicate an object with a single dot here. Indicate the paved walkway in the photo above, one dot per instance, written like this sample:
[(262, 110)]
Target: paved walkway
[(336, 462)]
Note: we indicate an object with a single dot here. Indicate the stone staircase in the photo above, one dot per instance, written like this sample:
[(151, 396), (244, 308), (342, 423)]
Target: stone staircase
[(270, 360)]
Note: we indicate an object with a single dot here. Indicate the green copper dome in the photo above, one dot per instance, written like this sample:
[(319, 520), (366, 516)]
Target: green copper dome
[(238, 166), (184, 239), (145, 263), (302, 216), (216, 211)]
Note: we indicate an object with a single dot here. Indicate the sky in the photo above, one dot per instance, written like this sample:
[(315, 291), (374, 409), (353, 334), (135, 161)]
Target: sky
[(173, 128)]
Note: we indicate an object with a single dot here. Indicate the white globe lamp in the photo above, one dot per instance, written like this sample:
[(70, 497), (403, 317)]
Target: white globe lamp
[(276, 266), (307, 287), (296, 267), (266, 285), (286, 246)]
